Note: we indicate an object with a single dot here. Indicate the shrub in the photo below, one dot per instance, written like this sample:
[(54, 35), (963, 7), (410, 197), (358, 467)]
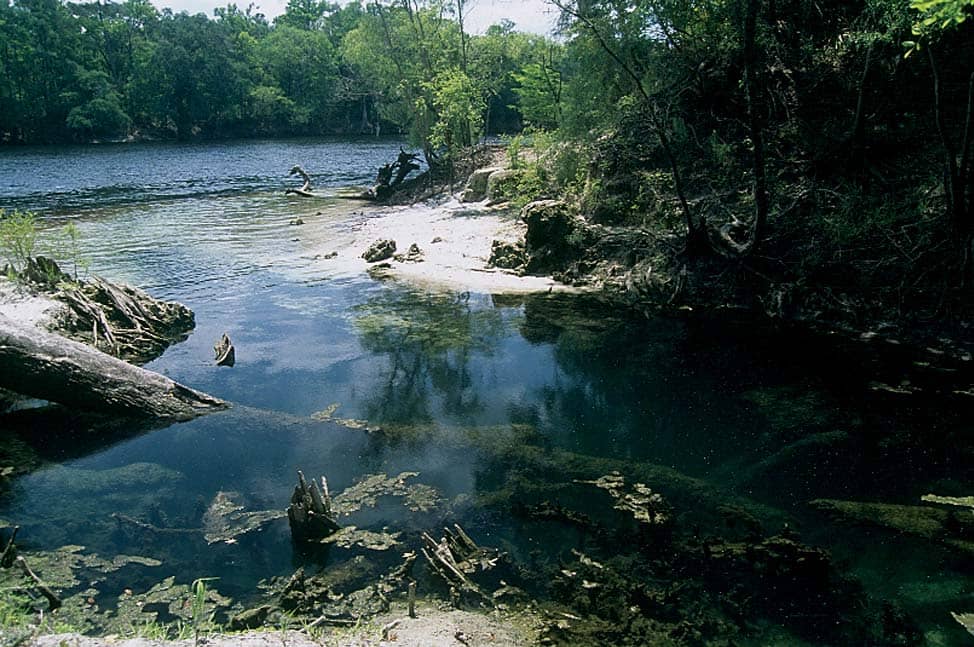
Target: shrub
[(18, 236)]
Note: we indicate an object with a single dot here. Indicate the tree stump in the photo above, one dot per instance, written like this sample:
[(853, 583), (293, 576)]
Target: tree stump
[(310, 515)]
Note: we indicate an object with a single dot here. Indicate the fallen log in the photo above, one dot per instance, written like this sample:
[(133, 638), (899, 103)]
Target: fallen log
[(43, 365)]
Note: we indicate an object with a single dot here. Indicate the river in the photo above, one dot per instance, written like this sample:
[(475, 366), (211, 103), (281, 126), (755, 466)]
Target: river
[(500, 403)]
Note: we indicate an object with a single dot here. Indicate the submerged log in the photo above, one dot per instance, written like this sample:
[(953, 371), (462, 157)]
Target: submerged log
[(456, 557), (43, 365)]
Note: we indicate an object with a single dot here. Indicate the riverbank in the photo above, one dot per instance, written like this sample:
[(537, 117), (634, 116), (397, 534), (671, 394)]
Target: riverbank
[(431, 626), (28, 306)]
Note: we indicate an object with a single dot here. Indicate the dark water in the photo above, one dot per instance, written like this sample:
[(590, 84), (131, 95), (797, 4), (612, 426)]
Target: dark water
[(459, 383)]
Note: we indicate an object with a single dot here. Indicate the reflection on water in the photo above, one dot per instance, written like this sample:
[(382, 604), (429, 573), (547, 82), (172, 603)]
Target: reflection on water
[(499, 403)]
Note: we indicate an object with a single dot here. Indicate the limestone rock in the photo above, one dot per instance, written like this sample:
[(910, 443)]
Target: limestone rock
[(498, 183), (554, 237), (380, 250), (507, 255), (476, 188)]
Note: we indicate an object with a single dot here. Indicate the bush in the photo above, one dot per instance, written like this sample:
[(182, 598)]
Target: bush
[(66, 248), (18, 237)]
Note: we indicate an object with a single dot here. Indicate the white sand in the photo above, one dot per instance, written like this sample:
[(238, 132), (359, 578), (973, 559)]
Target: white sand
[(28, 307), (457, 260)]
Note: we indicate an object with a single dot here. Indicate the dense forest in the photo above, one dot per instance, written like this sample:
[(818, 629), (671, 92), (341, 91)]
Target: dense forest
[(104, 70)]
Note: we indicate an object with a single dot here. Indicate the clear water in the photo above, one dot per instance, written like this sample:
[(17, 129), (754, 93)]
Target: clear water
[(449, 376)]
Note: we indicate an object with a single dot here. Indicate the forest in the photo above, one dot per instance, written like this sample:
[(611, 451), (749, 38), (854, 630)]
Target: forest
[(104, 70)]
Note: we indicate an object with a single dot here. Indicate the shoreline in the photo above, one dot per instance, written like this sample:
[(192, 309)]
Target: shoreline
[(454, 239), (432, 625)]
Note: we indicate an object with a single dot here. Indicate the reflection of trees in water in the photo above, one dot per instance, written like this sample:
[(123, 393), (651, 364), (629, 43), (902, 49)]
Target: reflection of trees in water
[(431, 340)]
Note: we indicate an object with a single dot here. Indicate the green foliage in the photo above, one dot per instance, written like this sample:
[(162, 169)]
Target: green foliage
[(15, 612), (18, 237), (934, 17), (67, 249), (515, 148), (940, 14), (459, 107), (528, 184), (101, 70), (538, 90), (201, 615)]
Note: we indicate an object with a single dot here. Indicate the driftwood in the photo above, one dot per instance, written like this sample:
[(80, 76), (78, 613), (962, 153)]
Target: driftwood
[(390, 177), (43, 365), (310, 515), (455, 557), (53, 601), (305, 190), (119, 319)]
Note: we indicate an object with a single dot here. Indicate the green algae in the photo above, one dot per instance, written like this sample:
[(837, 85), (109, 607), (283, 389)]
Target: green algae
[(351, 537), (370, 488), (69, 566), (926, 522), (225, 519), (121, 481), (795, 411)]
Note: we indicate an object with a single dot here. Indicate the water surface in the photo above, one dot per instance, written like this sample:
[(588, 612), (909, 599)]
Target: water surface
[(448, 381)]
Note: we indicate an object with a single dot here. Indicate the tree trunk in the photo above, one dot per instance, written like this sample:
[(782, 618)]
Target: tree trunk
[(760, 180), (43, 365)]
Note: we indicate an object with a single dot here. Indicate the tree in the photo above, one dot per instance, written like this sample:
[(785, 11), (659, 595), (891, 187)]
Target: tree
[(619, 33), (459, 105), (303, 67)]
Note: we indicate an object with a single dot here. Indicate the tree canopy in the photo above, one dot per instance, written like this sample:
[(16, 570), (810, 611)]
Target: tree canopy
[(103, 70)]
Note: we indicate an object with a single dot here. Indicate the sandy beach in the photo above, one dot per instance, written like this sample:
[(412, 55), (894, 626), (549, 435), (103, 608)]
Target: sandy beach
[(454, 238)]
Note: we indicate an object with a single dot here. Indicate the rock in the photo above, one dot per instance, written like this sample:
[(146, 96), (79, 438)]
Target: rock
[(554, 237), (249, 619), (506, 255), (413, 255), (380, 250), (499, 183), (296, 221), (476, 189)]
